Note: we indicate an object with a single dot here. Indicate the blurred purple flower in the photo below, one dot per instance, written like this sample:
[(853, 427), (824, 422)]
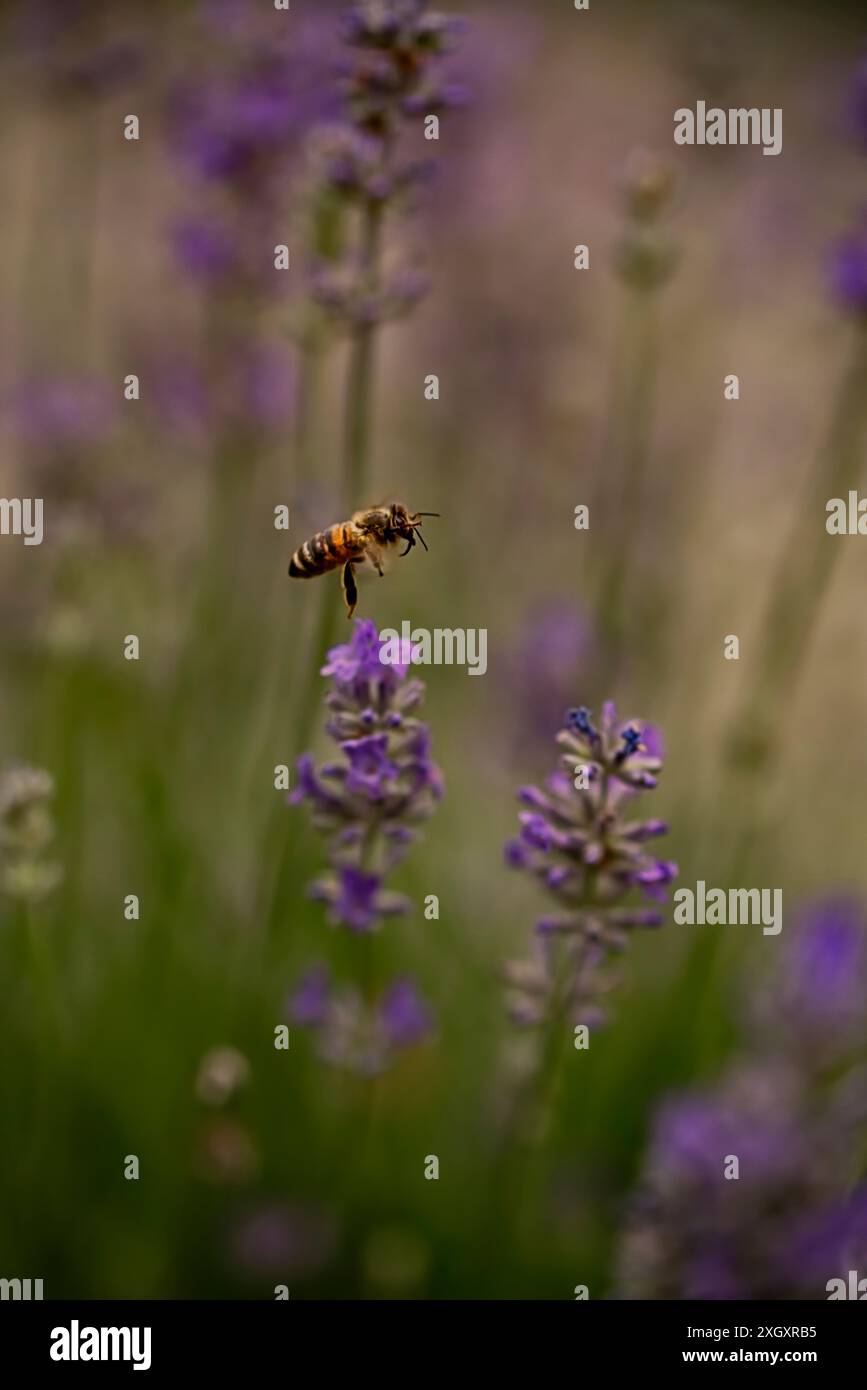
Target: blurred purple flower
[(792, 1114), (344, 291), (405, 1016), (390, 76), (282, 1239), (828, 1242), (241, 120), (63, 414), (399, 27), (239, 126), (849, 270), (308, 1004), (694, 1134), (781, 1229), (814, 1007), (227, 127), (355, 1036), (251, 389), (206, 248), (554, 646)]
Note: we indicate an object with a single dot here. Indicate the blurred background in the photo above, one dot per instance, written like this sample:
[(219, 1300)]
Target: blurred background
[(558, 387)]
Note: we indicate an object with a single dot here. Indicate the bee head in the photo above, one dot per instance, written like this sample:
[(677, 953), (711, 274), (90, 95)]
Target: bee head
[(405, 524), (400, 519)]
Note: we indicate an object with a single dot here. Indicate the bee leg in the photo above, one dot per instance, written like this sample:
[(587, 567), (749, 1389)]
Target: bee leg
[(350, 589)]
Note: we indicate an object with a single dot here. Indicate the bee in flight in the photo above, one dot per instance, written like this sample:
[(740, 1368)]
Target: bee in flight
[(365, 540)]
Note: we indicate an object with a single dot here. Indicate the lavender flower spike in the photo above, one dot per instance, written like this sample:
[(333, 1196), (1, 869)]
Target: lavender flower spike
[(355, 1035), (576, 840), (369, 802), (791, 1110)]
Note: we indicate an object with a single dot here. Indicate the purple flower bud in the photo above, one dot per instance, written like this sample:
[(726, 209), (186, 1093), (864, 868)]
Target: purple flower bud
[(308, 1004), (849, 271), (405, 1016), (357, 904), (370, 767)]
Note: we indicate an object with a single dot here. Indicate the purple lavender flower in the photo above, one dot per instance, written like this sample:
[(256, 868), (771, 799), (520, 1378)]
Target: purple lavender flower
[(370, 801), (814, 1008), (240, 122), (398, 42), (554, 643), (781, 1229), (829, 1241), (357, 899), (353, 1035), (575, 839), (849, 270), (239, 128), (391, 77), (792, 1114)]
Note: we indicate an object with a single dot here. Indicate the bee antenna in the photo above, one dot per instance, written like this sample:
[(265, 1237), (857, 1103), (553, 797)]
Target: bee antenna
[(428, 513), (422, 539)]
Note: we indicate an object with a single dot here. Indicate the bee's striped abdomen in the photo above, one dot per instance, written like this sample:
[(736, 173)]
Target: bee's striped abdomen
[(323, 552)]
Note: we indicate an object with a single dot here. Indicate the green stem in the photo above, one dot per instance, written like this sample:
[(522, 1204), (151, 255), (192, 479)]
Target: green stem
[(366, 861), (357, 435), (801, 585), (310, 359), (357, 440), (44, 979), (359, 389), (628, 449)]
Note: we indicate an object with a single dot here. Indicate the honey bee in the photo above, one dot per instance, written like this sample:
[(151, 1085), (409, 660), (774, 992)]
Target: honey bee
[(365, 540)]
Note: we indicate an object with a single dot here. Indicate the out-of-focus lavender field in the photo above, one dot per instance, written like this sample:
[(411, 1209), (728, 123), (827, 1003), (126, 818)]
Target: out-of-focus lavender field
[(171, 900)]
